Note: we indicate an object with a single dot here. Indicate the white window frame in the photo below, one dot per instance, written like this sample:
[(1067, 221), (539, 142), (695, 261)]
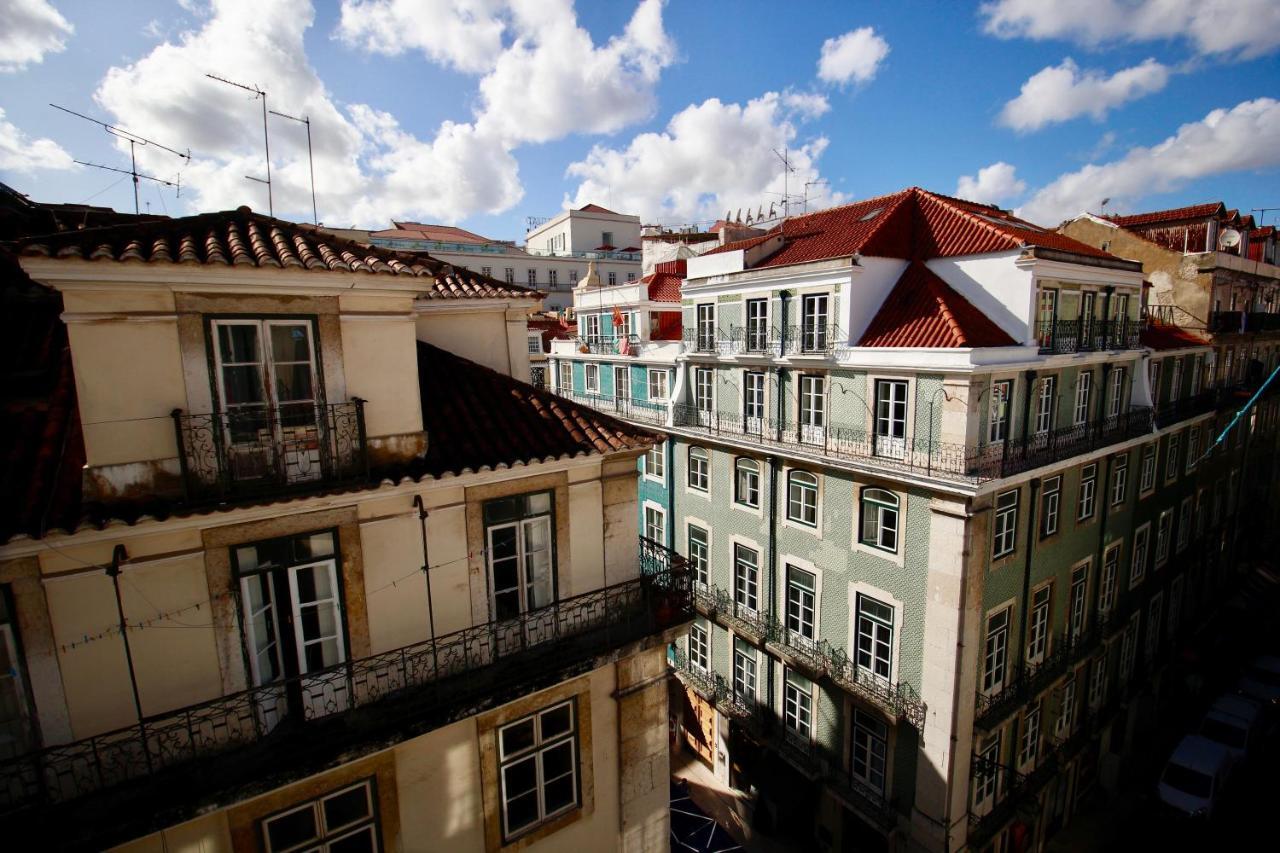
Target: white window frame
[(1084, 395), (1119, 479), (998, 413), (1087, 503), (698, 469), (1171, 458), (803, 498), (1043, 418), (1164, 537), (699, 552), (326, 835), (1078, 603), (880, 519), (813, 408), (1050, 503), (699, 647), (655, 463), (566, 377), (1115, 398), (1147, 484), (655, 522), (1038, 624), (1029, 735), (869, 750), (892, 402), (797, 704), (1004, 538), (657, 383), (588, 371), (540, 747), (746, 669), (995, 650), (1139, 555), (800, 605), (746, 483), (1108, 577), (1184, 525), (873, 652), (746, 583), (753, 400)]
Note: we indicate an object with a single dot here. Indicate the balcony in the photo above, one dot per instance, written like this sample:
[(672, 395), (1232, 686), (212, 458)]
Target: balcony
[(124, 783), (255, 451), (968, 463), (643, 411), (807, 339), (1243, 321), (1187, 407), (1068, 336)]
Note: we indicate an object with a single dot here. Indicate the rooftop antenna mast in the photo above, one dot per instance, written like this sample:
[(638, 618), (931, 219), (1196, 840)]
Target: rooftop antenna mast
[(1264, 211), (315, 217), (785, 156), (134, 141), (266, 139), (808, 184)]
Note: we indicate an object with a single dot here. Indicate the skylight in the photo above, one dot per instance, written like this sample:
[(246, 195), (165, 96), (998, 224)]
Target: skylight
[(1027, 226), (871, 214)]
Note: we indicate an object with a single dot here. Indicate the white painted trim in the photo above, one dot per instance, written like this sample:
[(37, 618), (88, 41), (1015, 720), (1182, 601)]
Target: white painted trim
[(899, 623), (781, 604), (984, 630), (898, 557), (784, 498), (661, 510)]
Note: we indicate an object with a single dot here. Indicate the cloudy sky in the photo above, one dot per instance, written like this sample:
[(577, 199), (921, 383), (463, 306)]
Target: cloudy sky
[(483, 112)]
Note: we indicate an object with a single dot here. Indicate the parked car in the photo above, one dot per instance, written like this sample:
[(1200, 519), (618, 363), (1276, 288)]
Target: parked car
[(1261, 679), (1193, 778), (1235, 722)]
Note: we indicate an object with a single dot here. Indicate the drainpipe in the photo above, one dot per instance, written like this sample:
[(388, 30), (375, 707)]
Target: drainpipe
[(1026, 573), (773, 555), (118, 555), (426, 571), (1030, 376), (670, 482)]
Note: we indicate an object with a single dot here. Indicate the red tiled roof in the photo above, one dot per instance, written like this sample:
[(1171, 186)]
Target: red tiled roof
[(665, 280), (479, 418), (595, 208), (924, 311), (1165, 336), (235, 238), (913, 224), (1176, 214), (438, 233)]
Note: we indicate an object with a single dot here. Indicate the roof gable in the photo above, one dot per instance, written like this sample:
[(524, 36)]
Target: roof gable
[(922, 310)]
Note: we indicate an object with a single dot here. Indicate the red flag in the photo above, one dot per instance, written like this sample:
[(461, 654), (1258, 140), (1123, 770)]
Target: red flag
[(617, 317)]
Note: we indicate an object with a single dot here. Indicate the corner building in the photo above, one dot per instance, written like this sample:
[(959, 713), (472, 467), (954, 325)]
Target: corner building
[(939, 481)]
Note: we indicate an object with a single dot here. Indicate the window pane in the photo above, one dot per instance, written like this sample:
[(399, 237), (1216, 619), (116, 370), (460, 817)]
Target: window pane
[(360, 841), (346, 808), (242, 385), (522, 811), (238, 343), (557, 761), (292, 829), (517, 737), (293, 382), (557, 721), (520, 777), (559, 794), (290, 343)]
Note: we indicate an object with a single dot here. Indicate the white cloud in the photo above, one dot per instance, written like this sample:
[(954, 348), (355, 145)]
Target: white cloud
[(1247, 28), (543, 77), (853, 57), (368, 168), (993, 184), (31, 29), (711, 157), (1245, 137), (1063, 92), (21, 153)]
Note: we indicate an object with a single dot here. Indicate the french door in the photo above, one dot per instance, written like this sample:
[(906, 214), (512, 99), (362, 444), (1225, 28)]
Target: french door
[(521, 582), (813, 405), (891, 418), (1087, 304), (621, 387), (268, 399), (813, 317)]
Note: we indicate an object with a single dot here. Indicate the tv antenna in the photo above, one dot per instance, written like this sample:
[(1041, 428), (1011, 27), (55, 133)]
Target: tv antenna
[(315, 217), (785, 156), (134, 141), (1264, 211), (266, 139), (808, 184)]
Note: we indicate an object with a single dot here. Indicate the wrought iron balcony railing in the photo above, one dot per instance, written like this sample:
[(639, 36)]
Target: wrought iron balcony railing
[(189, 755), (253, 450), (1243, 321), (608, 344), (913, 453), (804, 339), (628, 408), (1088, 335), (1187, 407)]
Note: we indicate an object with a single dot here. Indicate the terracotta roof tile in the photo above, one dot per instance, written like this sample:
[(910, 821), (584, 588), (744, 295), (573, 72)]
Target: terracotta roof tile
[(595, 208), (1175, 214), (244, 238), (922, 310), (665, 280), (1165, 336)]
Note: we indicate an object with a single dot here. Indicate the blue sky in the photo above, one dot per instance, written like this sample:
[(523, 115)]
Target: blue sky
[(670, 110)]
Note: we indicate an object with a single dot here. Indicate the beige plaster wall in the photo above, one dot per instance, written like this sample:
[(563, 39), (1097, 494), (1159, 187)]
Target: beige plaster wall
[(206, 834), (381, 367), (474, 335)]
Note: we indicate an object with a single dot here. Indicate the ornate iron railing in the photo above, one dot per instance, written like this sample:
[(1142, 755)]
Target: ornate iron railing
[(398, 693), (1088, 335), (608, 344), (1009, 457), (628, 408), (804, 339), (255, 450), (1186, 407)]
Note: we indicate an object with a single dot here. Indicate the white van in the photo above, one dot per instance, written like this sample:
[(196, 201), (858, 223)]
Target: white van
[(1194, 776), (1235, 722), (1261, 679)]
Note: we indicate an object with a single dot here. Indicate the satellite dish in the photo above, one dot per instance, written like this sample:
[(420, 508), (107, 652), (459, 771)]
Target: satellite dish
[(1229, 238)]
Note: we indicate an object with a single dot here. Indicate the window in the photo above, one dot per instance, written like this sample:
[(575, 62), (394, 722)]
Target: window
[(532, 276), (15, 710), (606, 239), (1038, 631), (622, 383), (510, 275), (813, 323), (1171, 460), (998, 426), (631, 276), (1175, 380), (1115, 399), (1153, 626), (702, 389), (1079, 600), (699, 469), (996, 652), (1153, 376), (891, 418), (1184, 524), (566, 377), (1088, 492), (655, 524), (535, 344), (746, 482), (1119, 479), (870, 748), (753, 400), (655, 462), (1202, 513), (1084, 390), (875, 637), (613, 278), (342, 820), (622, 324), (1107, 579), (801, 601), (700, 554), (1197, 373), (744, 669), (538, 766), (1005, 533), (573, 278), (553, 278), (757, 325), (1193, 448), (1046, 317), (487, 272), (592, 376), (1044, 406), (706, 327), (699, 648), (1164, 533), (1066, 706), (802, 498), (1138, 570), (879, 519), (291, 602), (1175, 606), (591, 327), (1148, 483), (746, 577), (798, 705), (1129, 646), (813, 398), (657, 381), (987, 778), (1049, 499), (520, 543), (1029, 746), (1098, 680)]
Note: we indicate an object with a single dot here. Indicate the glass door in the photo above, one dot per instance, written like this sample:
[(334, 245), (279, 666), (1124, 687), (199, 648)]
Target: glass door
[(621, 388), (891, 419), (813, 332), (1087, 302), (813, 399), (519, 539), (1046, 318)]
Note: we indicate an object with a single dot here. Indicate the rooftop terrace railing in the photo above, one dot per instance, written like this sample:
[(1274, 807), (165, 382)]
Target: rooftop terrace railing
[(1088, 335)]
